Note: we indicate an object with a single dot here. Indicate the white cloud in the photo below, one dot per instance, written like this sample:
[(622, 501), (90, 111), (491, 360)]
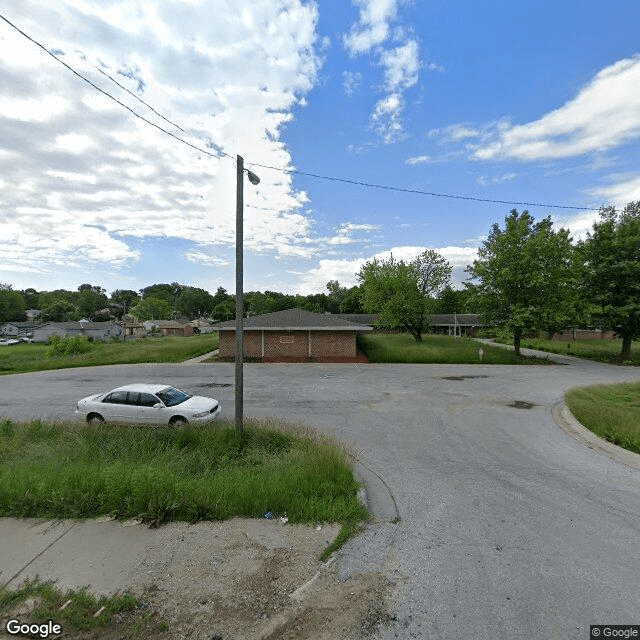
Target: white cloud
[(604, 114), (372, 27), (504, 177), (86, 174), (401, 66), (621, 192), (386, 117), (344, 271), (351, 81), (418, 160)]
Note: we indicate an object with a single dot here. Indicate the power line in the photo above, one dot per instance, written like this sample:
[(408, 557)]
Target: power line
[(420, 192), (146, 104), (280, 169), (108, 95)]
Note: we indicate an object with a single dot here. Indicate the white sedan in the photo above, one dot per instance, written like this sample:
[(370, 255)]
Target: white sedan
[(148, 404)]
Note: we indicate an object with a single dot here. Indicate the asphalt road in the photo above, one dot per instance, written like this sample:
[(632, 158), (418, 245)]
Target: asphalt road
[(509, 528)]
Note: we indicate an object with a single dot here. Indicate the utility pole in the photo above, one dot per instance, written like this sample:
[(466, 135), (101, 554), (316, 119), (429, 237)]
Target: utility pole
[(239, 391), (239, 296)]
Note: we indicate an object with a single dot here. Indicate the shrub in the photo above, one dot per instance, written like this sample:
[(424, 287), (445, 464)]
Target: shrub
[(67, 346)]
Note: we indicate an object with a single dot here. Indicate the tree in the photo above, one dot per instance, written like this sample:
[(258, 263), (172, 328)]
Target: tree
[(400, 292), (194, 303), (12, 305), (90, 300), (122, 300), (525, 274), (352, 301), (451, 301), (151, 308), (611, 275), (59, 310)]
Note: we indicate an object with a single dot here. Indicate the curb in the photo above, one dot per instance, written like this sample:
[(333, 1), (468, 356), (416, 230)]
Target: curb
[(375, 494), (567, 422)]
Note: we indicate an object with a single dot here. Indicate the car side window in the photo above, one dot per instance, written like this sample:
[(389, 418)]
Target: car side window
[(116, 397), (148, 400)]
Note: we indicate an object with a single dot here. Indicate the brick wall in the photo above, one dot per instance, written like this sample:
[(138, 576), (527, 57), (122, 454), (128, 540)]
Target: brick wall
[(290, 344), (286, 344), (333, 343)]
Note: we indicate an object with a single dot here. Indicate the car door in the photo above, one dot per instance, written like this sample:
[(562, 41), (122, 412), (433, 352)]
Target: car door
[(148, 412), (116, 407)]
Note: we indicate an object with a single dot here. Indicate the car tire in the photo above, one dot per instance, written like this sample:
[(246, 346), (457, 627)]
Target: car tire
[(178, 421), (94, 418)]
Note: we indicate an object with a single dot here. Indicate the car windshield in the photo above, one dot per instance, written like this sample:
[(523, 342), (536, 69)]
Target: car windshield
[(172, 397)]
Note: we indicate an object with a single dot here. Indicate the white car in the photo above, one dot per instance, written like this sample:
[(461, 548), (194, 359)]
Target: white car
[(5, 342), (148, 404)]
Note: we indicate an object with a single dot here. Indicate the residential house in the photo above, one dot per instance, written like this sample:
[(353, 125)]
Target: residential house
[(293, 334), (17, 329), (94, 330)]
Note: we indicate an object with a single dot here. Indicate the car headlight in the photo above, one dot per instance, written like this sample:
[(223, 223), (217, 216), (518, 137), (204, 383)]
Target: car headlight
[(202, 414)]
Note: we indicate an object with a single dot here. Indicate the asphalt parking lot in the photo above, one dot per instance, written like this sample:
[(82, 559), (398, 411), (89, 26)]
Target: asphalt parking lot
[(508, 527)]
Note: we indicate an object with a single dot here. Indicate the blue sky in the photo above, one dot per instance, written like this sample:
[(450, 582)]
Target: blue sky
[(534, 102)]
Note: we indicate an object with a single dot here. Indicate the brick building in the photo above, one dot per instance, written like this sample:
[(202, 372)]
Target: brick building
[(294, 335)]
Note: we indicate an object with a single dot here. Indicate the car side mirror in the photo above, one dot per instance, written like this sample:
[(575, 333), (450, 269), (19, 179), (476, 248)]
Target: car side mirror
[(158, 405)]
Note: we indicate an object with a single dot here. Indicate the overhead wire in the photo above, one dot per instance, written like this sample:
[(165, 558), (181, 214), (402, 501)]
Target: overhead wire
[(264, 166), (108, 95)]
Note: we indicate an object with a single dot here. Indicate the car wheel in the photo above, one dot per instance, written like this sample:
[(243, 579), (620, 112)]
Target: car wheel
[(178, 421), (95, 418)]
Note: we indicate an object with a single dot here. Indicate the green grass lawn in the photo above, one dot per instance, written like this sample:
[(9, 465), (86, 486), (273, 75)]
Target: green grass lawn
[(610, 411), (600, 350), (157, 474), (434, 349), (37, 357)]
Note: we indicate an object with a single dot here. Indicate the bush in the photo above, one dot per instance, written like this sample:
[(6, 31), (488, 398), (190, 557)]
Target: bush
[(66, 346)]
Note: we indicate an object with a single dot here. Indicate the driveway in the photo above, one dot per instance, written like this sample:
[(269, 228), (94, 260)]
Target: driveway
[(508, 528)]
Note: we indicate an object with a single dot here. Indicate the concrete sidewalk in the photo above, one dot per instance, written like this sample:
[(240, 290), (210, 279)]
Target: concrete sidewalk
[(102, 553)]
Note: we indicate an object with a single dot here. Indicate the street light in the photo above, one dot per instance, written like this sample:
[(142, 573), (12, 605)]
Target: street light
[(253, 179)]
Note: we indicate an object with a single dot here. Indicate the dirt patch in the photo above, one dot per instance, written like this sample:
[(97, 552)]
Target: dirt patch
[(246, 580)]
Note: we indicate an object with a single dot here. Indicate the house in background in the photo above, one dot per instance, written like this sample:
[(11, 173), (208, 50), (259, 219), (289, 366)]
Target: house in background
[(95, 330), (293, 335), (169, 327), (17, 329), (456, 324)]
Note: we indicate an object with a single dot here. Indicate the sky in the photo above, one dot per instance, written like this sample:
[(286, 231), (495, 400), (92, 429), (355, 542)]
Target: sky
[(376, 127)]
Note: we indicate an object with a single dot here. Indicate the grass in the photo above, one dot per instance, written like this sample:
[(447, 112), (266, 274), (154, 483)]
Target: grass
[(435, 349), (37, 357), (42, 602), (55, 470), (610, 411), (600, 350)]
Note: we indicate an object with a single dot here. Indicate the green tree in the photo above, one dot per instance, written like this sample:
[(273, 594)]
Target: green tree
[(525, 274), (611, 271), (401, 292), (122, 300), (12, 305), (224, 310), (452, 301), (151, 308), (59, 310), (194, 303), (352, 301), (90, 300), (30, 298)]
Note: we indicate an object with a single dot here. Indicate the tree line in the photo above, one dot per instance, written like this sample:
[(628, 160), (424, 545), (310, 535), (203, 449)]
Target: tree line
[(168, 301), (528, 277)]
